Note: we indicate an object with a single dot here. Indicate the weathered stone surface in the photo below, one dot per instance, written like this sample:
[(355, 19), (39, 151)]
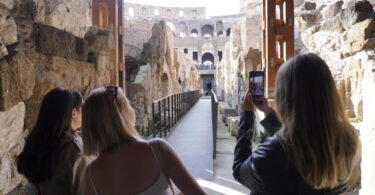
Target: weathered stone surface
[(309, 5), (56, 42), (332, 24), (3, 50), (359, 37), (306, 20), (16, 80), (9, 4), (332, 9), (356, 11), (76, 15), (8, 28), (11, 143), (51, 72)]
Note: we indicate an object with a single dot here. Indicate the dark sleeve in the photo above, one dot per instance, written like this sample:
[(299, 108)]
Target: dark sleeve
[(242, 149), (271, 123), (264, 167), (254, 170)]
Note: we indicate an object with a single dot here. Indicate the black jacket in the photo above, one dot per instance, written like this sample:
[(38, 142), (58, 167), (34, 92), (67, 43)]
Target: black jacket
[(268, 170)]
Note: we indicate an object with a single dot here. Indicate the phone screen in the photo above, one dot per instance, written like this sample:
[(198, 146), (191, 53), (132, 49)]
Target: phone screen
[(257, 85)]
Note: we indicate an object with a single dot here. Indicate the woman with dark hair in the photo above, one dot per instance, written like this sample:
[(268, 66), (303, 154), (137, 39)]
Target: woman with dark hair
[(316, 151), (53, 145)]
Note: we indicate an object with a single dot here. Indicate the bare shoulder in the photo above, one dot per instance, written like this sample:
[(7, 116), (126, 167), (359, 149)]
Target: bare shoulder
[(162, 144)]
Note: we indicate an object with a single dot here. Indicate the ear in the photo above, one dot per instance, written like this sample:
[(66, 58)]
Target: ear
[(74, 113)]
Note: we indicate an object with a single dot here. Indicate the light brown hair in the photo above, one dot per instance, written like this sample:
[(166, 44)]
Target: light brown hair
[(107, 120), (323, 145)]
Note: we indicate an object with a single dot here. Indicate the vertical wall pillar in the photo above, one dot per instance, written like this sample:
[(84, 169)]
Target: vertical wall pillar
[(108, 14), (278, 39)]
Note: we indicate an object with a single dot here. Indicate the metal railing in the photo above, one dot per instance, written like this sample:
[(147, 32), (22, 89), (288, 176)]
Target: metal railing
[(214, 109), (167, 111)]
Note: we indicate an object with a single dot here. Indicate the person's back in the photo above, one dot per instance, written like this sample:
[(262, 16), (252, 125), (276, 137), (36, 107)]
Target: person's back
[(316, 152), (132, 169)]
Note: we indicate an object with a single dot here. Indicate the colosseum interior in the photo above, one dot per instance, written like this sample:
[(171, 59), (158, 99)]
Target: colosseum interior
[(153, 51)]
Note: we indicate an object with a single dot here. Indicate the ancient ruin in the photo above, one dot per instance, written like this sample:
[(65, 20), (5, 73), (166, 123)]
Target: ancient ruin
[(153, 51)]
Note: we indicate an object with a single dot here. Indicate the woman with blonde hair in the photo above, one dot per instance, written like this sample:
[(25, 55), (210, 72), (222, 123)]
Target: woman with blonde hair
[(127, 164), (316, 151)]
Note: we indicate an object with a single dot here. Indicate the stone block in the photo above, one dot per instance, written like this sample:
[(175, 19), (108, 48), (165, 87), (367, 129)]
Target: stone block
[(306, 20), (359, 37), (8, 28), (8, 4), (11, 143), (55, 42), (332, 9), (309, 5), (17, 80), (356, 11), (332, 25)]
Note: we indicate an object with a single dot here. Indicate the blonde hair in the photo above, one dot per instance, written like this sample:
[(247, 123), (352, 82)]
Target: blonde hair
[(107, 121), (323, 145)]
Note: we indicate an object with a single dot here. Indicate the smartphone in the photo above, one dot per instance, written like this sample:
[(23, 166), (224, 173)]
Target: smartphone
[(256, 84)]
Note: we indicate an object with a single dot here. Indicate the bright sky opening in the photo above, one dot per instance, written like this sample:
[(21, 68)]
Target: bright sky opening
[(213, 7)]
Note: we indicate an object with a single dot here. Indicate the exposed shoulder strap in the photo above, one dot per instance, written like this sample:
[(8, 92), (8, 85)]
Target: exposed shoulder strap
[(155, 147)]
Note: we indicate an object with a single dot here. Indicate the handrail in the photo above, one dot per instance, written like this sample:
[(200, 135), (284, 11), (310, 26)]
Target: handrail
[(167, 111), (214, 109)]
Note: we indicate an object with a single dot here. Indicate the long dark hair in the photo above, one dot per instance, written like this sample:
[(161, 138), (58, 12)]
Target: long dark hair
[(324, 146), (39, 158)]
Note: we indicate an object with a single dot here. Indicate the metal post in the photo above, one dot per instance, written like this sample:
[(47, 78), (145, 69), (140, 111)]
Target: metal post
[(160, 127), (165, 117), (153, 120)]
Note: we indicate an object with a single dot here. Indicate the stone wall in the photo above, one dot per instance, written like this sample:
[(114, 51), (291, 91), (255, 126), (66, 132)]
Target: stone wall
[(161, 71), (43, 44)]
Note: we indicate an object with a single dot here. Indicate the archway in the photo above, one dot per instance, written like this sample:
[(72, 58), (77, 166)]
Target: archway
[(220, 34), (208, 59), (182, 29), (194, 33), (207, 31)]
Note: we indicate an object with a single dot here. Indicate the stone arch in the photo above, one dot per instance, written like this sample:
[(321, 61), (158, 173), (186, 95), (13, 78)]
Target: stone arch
[(164, 85), (207, 30), (194, 33), (219, 26), (103, 16), (182, 29), (208, 58), (229, 30)]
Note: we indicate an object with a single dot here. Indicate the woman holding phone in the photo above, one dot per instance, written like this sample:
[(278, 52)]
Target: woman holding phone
[(313, 149)]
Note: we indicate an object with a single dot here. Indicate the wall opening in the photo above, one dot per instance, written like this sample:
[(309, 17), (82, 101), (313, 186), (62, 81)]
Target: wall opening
[(186, 50), (208, 59), (229, 31), (194, 33), (220, 54), (103, 16), (156, 12), (195, 56), (207, 31), (164, 85), (131, 12)]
